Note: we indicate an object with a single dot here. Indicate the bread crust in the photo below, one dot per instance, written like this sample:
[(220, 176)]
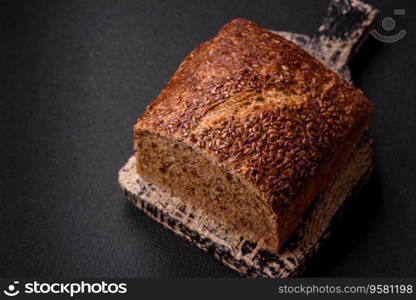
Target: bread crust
[(262, 108)]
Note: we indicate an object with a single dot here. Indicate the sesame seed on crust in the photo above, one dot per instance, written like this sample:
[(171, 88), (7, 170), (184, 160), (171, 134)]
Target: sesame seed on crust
[(260, 106)]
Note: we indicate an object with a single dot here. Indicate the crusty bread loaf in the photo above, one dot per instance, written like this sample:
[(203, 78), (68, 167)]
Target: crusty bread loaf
[(249, 130)]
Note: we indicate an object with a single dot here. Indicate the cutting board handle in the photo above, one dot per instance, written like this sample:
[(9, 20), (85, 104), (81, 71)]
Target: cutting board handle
[(343, 30)]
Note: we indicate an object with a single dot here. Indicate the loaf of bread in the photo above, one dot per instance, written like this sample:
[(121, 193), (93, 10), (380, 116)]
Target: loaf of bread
[(249, 130)]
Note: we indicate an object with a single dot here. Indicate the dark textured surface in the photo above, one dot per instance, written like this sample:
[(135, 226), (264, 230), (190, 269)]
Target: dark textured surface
[(75, 76)]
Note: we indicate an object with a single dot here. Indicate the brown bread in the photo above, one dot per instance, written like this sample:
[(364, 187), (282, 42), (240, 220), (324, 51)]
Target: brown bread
[(249, 130)]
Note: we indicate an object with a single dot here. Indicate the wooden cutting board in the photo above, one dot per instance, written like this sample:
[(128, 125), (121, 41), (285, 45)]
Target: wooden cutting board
[(343, 30)]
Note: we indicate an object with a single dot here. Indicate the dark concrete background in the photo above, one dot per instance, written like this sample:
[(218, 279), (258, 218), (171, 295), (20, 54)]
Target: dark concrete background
[(75, 75)]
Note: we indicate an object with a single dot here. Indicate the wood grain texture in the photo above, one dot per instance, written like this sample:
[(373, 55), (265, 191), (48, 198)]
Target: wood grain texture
[(235, 252)]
